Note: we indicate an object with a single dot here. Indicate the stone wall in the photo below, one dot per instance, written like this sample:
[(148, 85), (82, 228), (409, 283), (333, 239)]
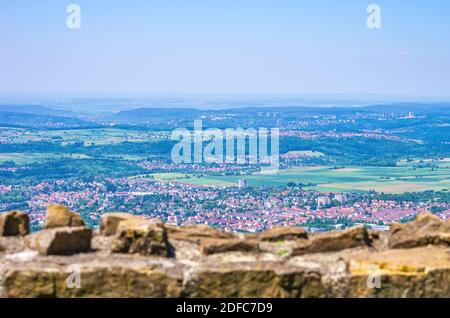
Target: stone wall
[(132, 257)]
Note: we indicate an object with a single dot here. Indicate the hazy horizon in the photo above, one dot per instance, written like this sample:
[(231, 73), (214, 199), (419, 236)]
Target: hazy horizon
[(113, 103), (226, 47)]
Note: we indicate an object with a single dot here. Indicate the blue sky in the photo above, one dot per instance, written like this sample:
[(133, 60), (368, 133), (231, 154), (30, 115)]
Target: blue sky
[(226, 46)]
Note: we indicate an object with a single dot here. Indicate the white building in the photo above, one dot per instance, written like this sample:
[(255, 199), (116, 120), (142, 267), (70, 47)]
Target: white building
[(243, 183), (323, 201), (340, 197)]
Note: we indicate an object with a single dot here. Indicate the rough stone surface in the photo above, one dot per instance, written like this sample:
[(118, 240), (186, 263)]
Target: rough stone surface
[(210, 263), (417, 272), (110, 222), (60, 216), (195, 233), (60, 241), (210, 246), (333, 241), (14, 223), (253, 279), (11, 244), (280, 234), (427, 229), (141, 237), (100, 276)]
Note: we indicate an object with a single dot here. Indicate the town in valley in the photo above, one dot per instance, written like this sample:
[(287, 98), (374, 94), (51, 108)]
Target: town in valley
[(338, 166)]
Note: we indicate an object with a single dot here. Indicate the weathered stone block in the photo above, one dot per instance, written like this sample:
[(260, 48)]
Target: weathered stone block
[(110, 222), (281, 234), (253, 279), (60, 241), (126, 278), (60, 216), (333, 241), (144, 238), (210, 246), (14, 223), (427, 229), (194, 233)]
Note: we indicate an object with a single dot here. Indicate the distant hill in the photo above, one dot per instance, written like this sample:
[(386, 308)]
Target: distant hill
[(35, 109), (11, 119), (441, 108), (162, 118), (146, 114), (156, 115)]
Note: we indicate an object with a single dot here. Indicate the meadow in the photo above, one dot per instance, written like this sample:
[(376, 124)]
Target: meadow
[(351, 179), (36, 157), (94, 136), (117, 147)]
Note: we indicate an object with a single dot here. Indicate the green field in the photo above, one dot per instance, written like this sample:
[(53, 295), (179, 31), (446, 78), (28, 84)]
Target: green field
[(28, 158), (351, 179), (306, 153), (100, 136), (441, 163)]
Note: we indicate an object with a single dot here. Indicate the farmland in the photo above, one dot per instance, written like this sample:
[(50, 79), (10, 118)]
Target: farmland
[(111, 163), (35, 157), (89, 137), (350, 179)]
